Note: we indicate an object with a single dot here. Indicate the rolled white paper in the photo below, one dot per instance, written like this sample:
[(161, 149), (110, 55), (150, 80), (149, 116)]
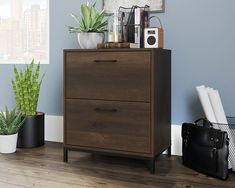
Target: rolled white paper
[(205, 102), (217, 106), (209, 90), (221, 118)]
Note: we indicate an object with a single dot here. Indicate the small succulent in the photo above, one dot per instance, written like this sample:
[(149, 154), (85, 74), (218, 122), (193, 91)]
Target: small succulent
[(10, 121), (91, 20), (26, 88)]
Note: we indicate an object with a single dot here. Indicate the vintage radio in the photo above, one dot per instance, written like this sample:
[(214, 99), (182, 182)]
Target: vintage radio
[(153, 38)]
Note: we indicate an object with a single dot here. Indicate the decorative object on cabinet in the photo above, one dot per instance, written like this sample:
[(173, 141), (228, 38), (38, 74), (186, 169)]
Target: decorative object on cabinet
[(10, 123), (111, 6), (153, 36), (92, 25), (118, 102), (26, 88), (133, 21)]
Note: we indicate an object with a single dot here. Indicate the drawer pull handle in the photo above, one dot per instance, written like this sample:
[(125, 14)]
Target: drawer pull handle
[(105, 61), (105, 110)]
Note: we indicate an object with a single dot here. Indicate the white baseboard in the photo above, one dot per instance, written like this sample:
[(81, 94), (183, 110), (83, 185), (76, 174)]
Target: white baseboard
[(54, 133), (176, 140), (54, 128)]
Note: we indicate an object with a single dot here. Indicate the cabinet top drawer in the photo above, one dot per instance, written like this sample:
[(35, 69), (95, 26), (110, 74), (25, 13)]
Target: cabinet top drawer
[(119, 75)]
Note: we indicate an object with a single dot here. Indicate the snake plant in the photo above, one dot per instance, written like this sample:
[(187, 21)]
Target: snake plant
[(10, 122), (26, 88), (91, 20)]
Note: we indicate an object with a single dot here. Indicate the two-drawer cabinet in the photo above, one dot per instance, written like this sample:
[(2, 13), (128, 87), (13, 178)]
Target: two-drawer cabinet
[(118, 102)]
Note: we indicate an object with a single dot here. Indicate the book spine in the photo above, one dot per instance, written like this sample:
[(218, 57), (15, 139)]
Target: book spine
[(144, 24), (113, 45), (142, 29), (146, 18), (137, 26), (130, 29)]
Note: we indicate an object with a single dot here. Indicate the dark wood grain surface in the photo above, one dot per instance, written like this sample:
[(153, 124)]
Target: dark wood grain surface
[(161, 101), (118, 101), (43, 168), (109, 76), (123, 126)]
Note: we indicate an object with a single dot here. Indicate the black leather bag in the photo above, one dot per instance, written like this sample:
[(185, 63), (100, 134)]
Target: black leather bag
[(205, 149)]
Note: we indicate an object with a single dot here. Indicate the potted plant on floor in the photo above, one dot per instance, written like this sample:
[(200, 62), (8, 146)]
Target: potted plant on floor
[(26, 88), (92, 26), (10, 123)]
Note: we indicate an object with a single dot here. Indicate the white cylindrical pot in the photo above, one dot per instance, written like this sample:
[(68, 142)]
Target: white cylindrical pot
[(90, 40), (8, 143)]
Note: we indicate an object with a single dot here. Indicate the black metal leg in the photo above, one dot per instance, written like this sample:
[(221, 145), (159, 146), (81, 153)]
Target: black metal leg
[(169, 152), (65, 155), (152, 165)]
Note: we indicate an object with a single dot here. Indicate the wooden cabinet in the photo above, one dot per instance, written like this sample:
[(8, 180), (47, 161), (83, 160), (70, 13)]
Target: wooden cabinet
[(118, 102)]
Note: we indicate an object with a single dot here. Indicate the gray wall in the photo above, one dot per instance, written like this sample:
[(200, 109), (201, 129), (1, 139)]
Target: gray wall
[(201, 35)]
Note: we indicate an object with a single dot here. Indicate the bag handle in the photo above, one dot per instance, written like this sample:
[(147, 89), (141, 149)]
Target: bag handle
[(157, 19), (206, 122)]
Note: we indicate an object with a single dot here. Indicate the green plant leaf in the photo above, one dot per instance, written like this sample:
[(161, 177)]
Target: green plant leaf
[(86, 15), (10, 122), (90, 20), (74, 29), (74, 17), (26, 87)]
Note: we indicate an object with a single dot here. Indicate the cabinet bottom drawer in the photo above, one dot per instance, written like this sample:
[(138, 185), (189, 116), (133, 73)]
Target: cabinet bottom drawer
[(123, 126)]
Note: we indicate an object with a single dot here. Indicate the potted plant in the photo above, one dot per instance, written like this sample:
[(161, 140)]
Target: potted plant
[(92, 26), (10, 123), (26, 88)]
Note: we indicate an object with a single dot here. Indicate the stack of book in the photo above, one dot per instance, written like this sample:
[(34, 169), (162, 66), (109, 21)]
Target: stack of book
[(141, 22), (133, 23), (116, 45)]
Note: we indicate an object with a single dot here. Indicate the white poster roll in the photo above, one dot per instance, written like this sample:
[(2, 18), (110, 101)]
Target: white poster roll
[(222, 122), (217, 106), (206, 105)]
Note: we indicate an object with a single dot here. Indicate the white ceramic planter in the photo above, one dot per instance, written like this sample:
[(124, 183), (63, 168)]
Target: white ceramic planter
[(8, 143), (90, 40)]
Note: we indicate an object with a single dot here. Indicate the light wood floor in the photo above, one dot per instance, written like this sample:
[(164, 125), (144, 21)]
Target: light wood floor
[(43, 168)]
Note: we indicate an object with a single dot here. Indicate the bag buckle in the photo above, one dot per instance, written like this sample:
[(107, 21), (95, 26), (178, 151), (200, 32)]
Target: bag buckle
[(214, 152), (185, 142)]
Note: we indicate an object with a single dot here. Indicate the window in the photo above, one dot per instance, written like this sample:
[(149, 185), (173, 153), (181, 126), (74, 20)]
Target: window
[(24, 31)]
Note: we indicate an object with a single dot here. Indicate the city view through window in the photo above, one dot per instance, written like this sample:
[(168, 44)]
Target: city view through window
[(23, 31)]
